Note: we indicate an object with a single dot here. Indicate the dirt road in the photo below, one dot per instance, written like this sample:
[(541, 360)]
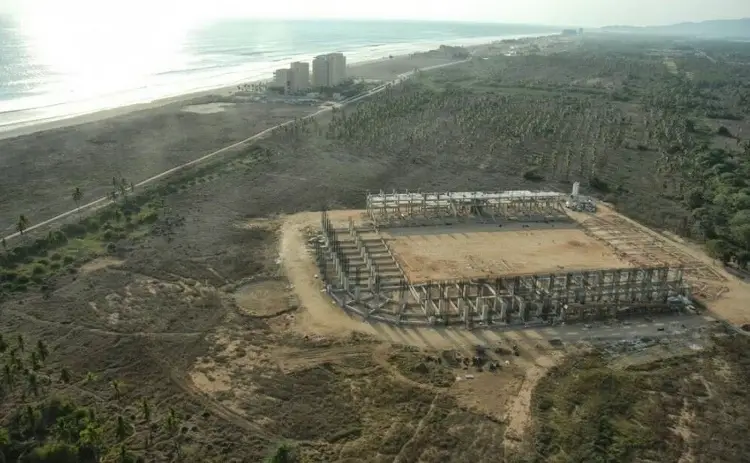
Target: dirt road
[(104, 201)]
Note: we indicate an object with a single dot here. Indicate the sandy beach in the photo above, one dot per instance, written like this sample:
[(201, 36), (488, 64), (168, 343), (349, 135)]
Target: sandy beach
[(42, 164)]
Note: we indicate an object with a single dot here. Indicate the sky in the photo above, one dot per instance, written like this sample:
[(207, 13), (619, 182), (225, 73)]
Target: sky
[(585, 13)]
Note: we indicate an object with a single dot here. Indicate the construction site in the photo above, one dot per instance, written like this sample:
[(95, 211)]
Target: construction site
[(489, 259)]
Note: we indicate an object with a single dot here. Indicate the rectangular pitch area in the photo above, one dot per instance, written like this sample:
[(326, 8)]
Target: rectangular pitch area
[(447, 255)]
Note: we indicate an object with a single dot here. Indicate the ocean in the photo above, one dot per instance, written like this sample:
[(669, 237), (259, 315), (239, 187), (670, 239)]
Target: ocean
[(51, 71)]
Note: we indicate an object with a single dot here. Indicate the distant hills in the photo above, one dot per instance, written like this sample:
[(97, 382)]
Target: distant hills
[(720, 28)]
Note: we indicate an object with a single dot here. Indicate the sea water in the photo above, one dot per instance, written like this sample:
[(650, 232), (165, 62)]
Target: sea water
[(53, 71)]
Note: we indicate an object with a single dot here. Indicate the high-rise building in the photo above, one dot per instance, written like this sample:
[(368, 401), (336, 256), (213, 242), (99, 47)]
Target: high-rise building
[(283, 78), (336, 68), (300, 76), (320, 71)]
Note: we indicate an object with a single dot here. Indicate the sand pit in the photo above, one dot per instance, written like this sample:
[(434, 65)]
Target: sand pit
[(476, 254), (208, 108)]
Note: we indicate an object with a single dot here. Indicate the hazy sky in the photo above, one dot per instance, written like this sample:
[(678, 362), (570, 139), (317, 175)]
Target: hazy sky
[(567, 12)]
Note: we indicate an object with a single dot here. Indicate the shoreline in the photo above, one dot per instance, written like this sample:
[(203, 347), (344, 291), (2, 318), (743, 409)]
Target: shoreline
[(143, 143), (226, 90)]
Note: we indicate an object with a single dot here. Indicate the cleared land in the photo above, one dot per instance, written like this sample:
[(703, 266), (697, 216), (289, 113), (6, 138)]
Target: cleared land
[(446, 255)]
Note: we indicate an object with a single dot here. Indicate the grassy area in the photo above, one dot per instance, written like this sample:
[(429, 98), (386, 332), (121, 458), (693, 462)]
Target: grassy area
[(590, 409), (35, 261)]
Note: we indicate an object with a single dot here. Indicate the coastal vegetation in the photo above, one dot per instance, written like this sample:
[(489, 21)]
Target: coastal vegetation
[(148, 347), (41, 422), (656, 133), (597, 406)]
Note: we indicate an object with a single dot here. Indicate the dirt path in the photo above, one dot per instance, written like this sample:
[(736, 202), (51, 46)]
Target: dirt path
[(518, 415), (217, 408), (380, 355), (420, 426), (104, 201), (319, 316), (73, 326), (731, 305)]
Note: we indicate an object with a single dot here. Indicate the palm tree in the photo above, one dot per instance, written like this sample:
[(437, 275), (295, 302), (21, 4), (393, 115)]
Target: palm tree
[(117, 389), (8, 374), (147, 418), (121, 429), (42, 349), (35, 365), (172, 426), (23, 224), (20, 342), (90, 377), (91, 436), (77, 197), (33, 383), (146, 410)]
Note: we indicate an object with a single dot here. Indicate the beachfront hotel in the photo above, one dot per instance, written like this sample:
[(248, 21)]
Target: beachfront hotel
[(329, 70), (300, 76), (294, 79)]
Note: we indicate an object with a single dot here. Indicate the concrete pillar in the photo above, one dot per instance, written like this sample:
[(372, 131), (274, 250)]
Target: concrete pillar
[(467, 316)]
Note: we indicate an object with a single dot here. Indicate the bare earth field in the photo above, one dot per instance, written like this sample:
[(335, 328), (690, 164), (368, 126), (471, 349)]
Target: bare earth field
[(446, 256)]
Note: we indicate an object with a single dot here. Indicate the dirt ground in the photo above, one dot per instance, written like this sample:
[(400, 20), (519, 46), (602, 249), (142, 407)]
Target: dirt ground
[(464, 255), (723, 293)]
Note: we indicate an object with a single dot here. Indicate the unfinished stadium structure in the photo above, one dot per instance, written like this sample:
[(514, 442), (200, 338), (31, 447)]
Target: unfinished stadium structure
[(483, 259)]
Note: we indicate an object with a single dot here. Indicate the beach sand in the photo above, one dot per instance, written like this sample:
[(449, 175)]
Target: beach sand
[(42, 164)]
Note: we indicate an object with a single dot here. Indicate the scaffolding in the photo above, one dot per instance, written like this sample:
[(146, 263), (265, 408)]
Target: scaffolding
[(419, 209), (363, 276)]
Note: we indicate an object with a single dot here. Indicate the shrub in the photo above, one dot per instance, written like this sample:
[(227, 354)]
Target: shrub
[(8, 276), (55, 452), (55, 266), (38, 269), (107, 235), (533, 175), (724, 132), (67, 260), (44, 262), (111, 248), (56, 256), (92, 224), (73, 230), (147, 217), (599, 184)]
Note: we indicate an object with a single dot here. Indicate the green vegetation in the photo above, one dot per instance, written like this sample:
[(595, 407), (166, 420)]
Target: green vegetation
[(129, 217), (651, 126), (592, 408), (42, 424)]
